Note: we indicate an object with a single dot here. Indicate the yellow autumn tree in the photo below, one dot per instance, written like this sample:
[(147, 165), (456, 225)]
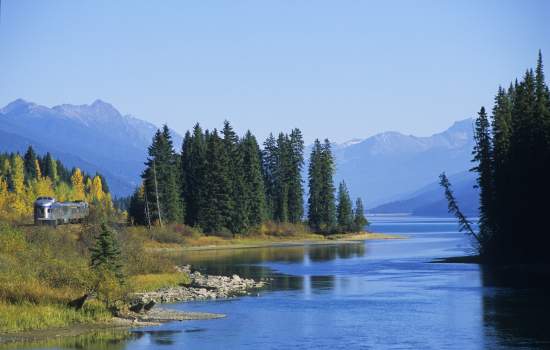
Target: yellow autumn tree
[(96, 189), (18, 174), (43, 187), (19, 195), (5, 168), (78, 185), (108, 202), (37, 169), (4, 194), (63, 192)]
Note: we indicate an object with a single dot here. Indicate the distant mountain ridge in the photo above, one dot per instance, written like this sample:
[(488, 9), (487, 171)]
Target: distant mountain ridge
[(95, 137), (384, 167), (430, 200)]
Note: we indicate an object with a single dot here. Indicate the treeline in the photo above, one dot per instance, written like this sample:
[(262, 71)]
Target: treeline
[(24, 178), (225, 184), (512, 157)]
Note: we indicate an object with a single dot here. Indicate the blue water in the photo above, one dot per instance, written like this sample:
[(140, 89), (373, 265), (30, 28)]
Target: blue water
[(385, 294)]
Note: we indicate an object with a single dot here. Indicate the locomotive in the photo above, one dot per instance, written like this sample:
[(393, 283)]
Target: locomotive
[(48, 211)]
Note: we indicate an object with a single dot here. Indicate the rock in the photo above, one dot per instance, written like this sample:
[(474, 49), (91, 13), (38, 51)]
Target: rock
[(202, 287)]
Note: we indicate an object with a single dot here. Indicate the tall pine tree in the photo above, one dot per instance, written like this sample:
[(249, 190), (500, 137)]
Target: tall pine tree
[(252, 168), (295, 187), (217, 210), (344, 209), (315, 218)]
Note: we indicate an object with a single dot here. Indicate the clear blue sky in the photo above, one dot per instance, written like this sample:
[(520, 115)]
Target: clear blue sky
[(338, 69)]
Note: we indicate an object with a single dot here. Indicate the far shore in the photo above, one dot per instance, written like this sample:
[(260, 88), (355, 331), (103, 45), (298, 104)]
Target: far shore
[(258, 242)]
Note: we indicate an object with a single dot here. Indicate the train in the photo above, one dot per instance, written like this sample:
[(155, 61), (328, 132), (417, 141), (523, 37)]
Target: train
[(48, 211)]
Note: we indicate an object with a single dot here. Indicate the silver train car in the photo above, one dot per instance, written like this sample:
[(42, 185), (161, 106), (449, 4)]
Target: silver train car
[(48, 211)]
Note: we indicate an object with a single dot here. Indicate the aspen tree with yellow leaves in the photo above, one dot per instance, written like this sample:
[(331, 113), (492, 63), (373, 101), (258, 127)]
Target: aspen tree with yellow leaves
[(18, 200), (37, 169), (96, 189), (23, 179), (3, 195), (77, 180), (42, 187)]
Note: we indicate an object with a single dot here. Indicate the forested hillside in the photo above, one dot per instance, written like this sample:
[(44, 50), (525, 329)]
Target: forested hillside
[(94, 137), (512, 163), (225, 184), (24, 178)]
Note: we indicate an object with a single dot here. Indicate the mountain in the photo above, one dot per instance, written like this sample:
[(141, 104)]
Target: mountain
[(430, 200), (384, 167), (94, 137)]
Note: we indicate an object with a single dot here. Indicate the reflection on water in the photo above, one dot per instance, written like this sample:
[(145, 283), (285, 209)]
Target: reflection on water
[(96, 340), (248, 262), (516, 306), (382, 294)]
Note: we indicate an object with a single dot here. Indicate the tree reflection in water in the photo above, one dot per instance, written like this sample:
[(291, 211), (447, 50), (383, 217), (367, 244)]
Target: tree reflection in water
[(516, 306)]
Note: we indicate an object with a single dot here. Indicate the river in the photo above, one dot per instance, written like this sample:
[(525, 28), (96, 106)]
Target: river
[(382, 294)]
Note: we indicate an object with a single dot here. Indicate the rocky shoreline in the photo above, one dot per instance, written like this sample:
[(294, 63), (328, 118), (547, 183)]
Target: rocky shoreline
[(143, 309), (201, 287)]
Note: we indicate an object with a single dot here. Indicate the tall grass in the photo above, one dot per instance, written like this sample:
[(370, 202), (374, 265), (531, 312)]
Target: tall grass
[(28, 316), (42, 269), (152, 282)]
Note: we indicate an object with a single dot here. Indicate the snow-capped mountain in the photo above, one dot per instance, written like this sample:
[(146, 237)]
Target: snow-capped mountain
[(386, 166)]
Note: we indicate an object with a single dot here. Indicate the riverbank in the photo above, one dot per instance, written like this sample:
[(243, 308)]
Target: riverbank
[(110, 330), (201, 287), (142, 309), (247, 242)]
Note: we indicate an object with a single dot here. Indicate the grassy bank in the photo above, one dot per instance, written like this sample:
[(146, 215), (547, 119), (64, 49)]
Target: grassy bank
[(24, 316), (42, 269), (240, 242), (182, 238)]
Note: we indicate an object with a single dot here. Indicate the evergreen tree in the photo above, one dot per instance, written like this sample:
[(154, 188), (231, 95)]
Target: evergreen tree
[(315, 187), (281, 179), (194, 174), (252, 169), (238, 221), (512, 163), (217, 202), (175, 207), (524, 168), (49, 167), (137, 214), (464, 224), (501, 135), (328, 207), (359, 219), (30, 164), (269, 160), (344, 209), (483, 158), (63, 173), (105, 254), (161, 179), (295, 187)]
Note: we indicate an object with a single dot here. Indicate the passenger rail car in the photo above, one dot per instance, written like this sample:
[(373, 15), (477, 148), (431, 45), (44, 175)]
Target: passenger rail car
[(48, 211)]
